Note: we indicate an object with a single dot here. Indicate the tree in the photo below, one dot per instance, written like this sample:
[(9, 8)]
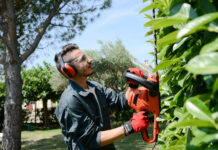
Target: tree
[(23, 24), (188, 53), (57, 81), (109, 65), (36, 86)]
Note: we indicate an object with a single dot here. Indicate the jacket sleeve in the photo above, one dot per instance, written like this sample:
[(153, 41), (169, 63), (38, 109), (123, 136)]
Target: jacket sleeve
[(116, 100), (80, 127)]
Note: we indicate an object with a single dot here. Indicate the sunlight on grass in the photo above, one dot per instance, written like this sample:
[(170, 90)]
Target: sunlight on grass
[(133, 142), (43, 139), (52, 139), (39, 134)]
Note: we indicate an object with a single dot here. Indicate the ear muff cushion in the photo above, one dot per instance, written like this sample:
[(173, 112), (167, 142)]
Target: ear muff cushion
[(71, 70), (65, 73)]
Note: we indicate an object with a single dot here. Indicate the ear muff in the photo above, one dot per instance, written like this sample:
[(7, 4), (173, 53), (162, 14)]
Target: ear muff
[(68, 70)]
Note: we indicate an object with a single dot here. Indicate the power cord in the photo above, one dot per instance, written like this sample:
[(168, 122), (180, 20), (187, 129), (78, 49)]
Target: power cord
[(155, 143)]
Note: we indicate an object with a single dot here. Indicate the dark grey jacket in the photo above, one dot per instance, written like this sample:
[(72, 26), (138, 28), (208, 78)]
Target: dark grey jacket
[(81, 119)]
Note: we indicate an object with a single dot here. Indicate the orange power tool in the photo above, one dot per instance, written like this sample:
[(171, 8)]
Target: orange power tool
[(147, 98)]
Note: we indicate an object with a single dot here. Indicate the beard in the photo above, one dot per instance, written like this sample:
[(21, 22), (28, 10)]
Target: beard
[(86, 73), (89, 74)]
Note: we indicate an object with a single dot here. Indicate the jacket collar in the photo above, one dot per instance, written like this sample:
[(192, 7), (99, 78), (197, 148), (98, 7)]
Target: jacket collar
[(79, 89)]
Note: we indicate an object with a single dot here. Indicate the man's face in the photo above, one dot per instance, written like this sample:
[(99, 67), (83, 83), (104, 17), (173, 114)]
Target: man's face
[(82, 63)]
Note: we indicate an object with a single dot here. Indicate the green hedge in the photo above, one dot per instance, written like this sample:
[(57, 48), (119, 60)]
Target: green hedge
[(187, 43)]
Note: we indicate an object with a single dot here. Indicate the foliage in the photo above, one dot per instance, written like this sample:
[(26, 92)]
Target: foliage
[(69, 18), (2, 97), (2, 92), (187, 50), (23, 24), (2, 100), (36, 86), (110, 64), (57, 81)]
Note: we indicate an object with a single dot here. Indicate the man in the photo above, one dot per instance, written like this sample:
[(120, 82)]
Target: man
[(83, 109)]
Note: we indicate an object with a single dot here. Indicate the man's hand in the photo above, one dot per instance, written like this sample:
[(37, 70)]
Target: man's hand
[(137, 123), (137, 72)]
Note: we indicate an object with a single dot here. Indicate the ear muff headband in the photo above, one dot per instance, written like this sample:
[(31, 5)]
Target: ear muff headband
[(66, 69), (60, 60)]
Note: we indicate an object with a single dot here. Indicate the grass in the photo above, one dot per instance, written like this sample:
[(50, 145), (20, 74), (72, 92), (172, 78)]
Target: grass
[(133, 142), (43, 139), (52, 139)]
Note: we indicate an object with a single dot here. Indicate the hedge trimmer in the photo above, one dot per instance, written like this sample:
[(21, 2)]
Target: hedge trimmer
[(146, 97)]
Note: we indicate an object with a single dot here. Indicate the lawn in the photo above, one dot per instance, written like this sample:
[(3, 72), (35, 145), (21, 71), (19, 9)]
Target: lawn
[(52, 139)]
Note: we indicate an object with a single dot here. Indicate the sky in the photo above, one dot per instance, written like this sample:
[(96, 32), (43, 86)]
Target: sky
[(122, 21)]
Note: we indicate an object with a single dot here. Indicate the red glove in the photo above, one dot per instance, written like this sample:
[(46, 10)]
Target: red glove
[(137, 123), (137, 72)]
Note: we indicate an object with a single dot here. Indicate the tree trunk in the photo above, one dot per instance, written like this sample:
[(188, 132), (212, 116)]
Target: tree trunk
[(45, 114), (13, 81), (12, 107)]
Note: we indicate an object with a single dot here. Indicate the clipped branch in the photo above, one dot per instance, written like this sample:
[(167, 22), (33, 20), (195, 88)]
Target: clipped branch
[(41, 32)]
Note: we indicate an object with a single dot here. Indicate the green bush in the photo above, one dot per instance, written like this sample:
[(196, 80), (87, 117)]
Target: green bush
[(187, 43), (2, 100)]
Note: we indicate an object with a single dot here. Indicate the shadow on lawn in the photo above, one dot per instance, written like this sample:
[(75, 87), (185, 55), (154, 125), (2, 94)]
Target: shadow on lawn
[(132, 142), (135, 141), (56, 142)]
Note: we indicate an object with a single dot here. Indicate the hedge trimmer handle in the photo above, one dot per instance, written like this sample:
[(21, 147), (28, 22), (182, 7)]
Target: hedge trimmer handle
[(146, 98), (145, 81), (155, 132)]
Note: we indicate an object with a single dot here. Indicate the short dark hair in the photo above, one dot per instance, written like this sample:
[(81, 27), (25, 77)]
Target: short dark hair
[(64, 52)]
